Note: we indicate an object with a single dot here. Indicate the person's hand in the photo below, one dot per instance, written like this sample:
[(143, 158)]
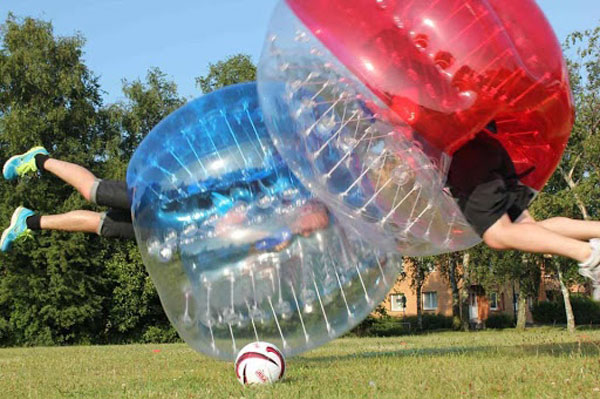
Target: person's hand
[(231, 220), (313, 217)]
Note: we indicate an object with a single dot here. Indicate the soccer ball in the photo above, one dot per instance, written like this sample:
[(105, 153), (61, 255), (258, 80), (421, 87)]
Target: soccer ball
[(259, 363)]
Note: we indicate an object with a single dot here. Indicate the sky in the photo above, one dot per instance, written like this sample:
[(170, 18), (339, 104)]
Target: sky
[(181, 37)]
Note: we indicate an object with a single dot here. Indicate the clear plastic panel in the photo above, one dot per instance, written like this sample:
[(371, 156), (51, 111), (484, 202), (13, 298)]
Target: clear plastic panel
[(238, 249), (384, 180)]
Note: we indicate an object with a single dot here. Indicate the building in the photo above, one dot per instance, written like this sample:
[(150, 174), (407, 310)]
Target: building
[(436, 297)]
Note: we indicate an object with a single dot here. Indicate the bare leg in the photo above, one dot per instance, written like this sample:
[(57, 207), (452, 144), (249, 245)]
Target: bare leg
[(75, 175), (84, 221), (578, 229), (532, 237)]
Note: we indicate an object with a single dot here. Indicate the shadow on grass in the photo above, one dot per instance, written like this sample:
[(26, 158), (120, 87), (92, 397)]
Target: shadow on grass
[(587, 348), (288, 380)]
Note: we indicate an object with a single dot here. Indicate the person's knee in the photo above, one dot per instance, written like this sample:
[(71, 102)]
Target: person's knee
[(494, 241), (494, 237), (90, 193)]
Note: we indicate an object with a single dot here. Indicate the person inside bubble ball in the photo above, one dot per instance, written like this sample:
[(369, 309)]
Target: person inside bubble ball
[(484, 183), (307, 219), (311, 217), (116, 221)]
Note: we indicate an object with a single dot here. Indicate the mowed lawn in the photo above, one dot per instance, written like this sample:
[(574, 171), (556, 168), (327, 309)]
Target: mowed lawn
[(537, 363)]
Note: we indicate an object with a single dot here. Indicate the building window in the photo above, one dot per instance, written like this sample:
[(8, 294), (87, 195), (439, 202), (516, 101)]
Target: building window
[(398, 302), (430, 300), (493, 301)]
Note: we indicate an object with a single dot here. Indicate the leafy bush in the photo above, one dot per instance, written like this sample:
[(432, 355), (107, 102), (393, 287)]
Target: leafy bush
[(388, 326), (548, 313), (159, 335), (431, 322), (585, 310), (500, 320)]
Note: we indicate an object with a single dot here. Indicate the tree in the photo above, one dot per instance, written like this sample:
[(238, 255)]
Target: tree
[(146, 104), (74, 288), (547, 205), (572, 190), (464, 298), (491, 268), (52, 291), (451, 266), (235, 69), (62, 287), (417, 270), (134, 310), (566, 296)]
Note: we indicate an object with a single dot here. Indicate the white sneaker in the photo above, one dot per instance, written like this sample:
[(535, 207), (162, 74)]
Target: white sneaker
[(591, 268), (596, 292)]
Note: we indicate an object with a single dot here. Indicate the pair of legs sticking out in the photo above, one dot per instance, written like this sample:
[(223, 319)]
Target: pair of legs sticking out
[(483, 180), (116, 222)]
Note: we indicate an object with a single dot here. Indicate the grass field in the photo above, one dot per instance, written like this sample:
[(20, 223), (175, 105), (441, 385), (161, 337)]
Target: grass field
[(537, 363)]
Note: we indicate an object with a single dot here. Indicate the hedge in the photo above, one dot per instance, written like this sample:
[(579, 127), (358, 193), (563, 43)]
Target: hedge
[(585, 310)]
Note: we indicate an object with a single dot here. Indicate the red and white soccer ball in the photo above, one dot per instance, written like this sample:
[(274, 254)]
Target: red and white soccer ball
[(259, 363)]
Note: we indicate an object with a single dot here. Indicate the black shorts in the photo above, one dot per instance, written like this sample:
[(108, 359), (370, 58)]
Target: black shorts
[(116, 222), (491, 200), (111, 193), (483, 180)]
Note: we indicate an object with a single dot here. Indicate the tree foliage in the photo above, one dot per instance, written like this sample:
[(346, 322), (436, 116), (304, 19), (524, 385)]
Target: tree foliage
[(491, 269), (63, 288), (71, 288), (235, 69), (49, 293), (571, 191)]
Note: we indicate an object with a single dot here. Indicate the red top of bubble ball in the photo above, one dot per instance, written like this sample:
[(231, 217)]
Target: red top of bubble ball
[(449, 67)]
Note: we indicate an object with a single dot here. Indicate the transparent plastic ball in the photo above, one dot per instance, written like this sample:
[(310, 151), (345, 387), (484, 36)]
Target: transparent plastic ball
[(367, 101), (238, 249)]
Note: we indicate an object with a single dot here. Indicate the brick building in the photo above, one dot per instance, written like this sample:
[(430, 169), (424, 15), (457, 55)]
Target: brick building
[(436, 297)]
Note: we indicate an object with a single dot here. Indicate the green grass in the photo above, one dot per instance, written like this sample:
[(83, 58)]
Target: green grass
[(538, 363)]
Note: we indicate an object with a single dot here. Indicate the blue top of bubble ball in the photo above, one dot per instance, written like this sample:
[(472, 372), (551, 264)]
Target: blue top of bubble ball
[(205, 146)]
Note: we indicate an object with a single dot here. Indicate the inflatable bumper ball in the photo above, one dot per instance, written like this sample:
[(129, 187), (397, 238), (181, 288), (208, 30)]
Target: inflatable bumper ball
[(367, 101), (238, 249)]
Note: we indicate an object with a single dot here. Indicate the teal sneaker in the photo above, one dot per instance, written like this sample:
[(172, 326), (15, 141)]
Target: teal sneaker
[(17, 229), (20, 165)]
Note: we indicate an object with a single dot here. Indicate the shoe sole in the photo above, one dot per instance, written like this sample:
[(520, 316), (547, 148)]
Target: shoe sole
[(13, 222), (8, 163), (17, 156)]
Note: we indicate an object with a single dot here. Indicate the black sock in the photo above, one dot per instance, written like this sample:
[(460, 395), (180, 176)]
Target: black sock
[(40, 159), (34, 222)]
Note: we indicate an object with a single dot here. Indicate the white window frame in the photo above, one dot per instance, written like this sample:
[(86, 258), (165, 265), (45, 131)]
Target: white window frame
[(423, 299), (396, 297), (493, 301)]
